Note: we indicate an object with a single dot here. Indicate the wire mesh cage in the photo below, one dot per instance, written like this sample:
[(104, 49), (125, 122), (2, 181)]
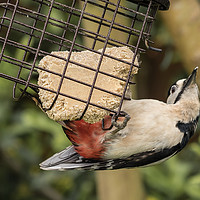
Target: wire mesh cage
[(28, 34)]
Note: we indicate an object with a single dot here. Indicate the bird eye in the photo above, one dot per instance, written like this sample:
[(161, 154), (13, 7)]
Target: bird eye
[(173, 89)]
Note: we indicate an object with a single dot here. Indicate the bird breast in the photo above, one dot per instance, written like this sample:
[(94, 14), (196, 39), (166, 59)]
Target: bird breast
[(152, 127)]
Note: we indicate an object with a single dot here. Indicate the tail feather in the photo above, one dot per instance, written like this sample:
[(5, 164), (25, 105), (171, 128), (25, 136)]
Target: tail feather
[(66, 159)]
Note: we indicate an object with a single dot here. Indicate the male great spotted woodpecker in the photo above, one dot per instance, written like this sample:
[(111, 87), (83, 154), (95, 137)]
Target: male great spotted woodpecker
[(155, 132)]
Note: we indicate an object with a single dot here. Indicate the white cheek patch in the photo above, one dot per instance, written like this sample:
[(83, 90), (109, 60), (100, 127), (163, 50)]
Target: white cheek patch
[(172, 97)]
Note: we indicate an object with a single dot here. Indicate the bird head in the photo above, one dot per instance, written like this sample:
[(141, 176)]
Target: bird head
[(184, 88)]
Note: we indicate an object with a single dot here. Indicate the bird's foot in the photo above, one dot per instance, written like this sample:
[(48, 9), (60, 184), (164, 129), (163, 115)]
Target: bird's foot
[(121, 125)]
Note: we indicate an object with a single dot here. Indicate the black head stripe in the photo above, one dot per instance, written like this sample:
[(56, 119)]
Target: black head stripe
[(181, 92), (168, 93), (187, 82), (179, 96)]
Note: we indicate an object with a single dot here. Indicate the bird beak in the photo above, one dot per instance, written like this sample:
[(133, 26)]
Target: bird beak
[(192, 78), (189, 81)]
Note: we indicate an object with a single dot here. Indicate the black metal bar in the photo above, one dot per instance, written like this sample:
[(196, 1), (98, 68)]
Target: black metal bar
[(113, 43), (9, 28), (140, 26), (101, 59), (73, 62), (88, 14), (161, 4), (66, 77), (62, 6), (131, 67), (120, 27), (38, 49), (23, 82), (4, 14), (69, 55), (23, 59), (100, 24), (132, 24), (66, 27)]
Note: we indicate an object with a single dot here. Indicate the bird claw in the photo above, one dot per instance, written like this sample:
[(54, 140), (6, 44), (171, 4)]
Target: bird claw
[(123, 124), (35, 98)]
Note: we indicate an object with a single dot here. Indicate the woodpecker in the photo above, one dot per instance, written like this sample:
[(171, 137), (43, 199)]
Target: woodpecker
[(155, 131)]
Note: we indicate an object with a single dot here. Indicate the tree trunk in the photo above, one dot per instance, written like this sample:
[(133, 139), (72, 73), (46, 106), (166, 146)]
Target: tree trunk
[(119, 184), (183, 22)]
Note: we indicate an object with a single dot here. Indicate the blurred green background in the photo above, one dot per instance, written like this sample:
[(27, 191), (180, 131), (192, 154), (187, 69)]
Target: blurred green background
[(28, 136)]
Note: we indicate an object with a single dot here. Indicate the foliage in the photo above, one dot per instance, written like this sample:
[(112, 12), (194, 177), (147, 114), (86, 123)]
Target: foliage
[(177, 178), (28, 136)]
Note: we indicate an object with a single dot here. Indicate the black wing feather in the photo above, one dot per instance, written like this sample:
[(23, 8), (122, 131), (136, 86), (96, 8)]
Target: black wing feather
[(69, 159)]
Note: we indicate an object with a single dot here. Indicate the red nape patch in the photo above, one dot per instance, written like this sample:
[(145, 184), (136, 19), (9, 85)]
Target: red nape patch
[(87, 138)]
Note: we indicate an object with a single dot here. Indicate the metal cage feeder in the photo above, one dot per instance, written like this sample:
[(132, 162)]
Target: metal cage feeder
[(28, 34)]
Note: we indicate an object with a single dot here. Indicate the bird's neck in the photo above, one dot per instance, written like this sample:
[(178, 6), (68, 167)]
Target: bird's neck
[(187, 109)]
